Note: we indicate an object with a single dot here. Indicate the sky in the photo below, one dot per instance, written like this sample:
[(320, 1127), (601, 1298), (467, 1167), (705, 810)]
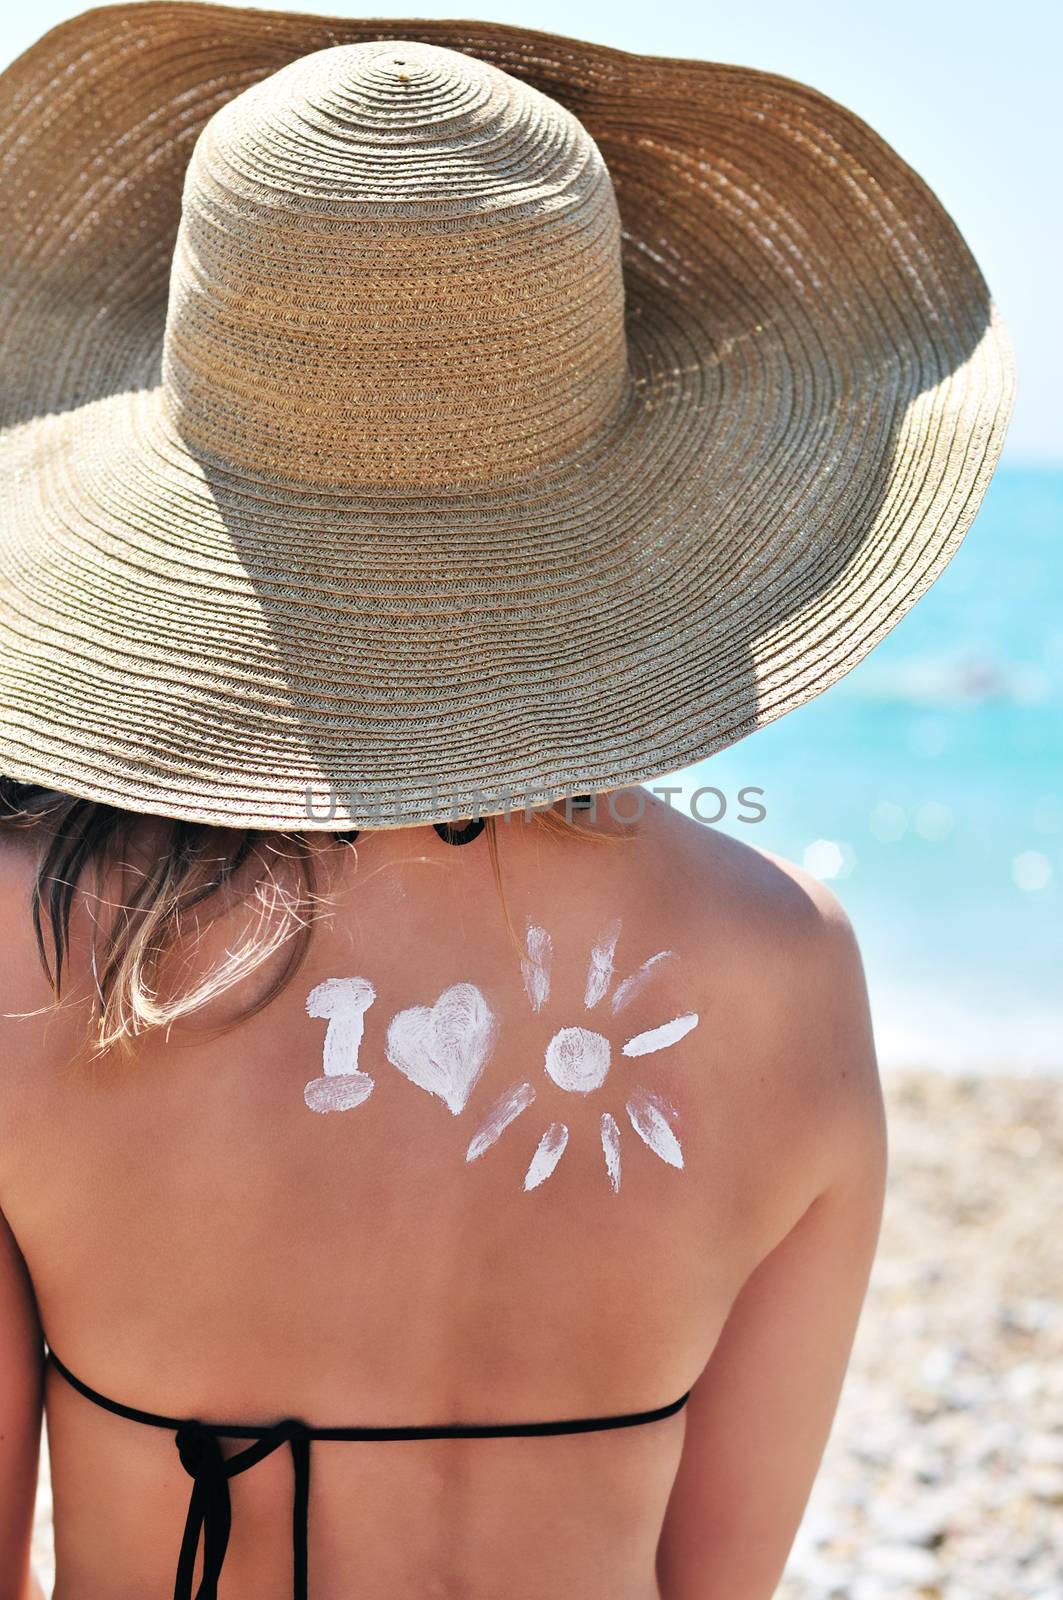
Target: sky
[(967, 91)]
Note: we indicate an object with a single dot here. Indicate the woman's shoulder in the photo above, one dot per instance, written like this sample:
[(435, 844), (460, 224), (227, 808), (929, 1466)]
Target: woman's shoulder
[(780, 922), (781, 981), (751, 925)]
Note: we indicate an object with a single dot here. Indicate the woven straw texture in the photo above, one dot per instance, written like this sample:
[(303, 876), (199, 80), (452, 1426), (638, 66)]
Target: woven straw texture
[(403, 419)]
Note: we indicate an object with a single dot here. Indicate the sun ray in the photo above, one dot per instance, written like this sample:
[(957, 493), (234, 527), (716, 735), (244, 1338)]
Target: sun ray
[(633, 985), (652, 1117), (669, 1033), (549, 1152), (611, 1149), (536, 970), (506, 1109), (601, 965)]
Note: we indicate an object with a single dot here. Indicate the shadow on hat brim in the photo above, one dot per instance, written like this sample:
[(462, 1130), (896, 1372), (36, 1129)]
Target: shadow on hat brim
[(820, 390)]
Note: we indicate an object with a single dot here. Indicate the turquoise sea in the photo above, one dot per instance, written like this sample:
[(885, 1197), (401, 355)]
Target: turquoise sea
[(927, 789)]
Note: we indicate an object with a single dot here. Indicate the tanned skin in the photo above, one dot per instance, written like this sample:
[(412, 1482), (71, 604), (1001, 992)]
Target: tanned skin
[(194, 1241)]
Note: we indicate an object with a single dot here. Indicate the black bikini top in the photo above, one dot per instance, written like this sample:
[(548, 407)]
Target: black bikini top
[(209, 1513)]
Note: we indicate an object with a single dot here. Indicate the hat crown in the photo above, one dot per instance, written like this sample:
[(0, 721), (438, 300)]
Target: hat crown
[(396, 265)]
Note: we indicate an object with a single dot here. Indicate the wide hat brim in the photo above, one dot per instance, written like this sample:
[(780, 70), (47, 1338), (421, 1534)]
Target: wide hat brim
[(821, 386)]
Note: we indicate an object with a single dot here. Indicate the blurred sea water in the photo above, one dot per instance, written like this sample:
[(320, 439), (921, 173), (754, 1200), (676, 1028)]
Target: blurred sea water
[(927, 788)]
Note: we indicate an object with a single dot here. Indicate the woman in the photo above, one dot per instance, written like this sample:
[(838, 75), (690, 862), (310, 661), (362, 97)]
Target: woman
[(400, 431)]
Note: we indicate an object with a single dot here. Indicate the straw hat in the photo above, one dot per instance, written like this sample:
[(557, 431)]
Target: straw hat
[(397, 415)]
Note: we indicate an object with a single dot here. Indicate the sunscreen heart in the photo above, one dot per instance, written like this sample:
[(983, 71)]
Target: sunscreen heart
[(444, 1048)]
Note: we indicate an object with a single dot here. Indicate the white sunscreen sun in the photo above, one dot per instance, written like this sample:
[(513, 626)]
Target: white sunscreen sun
[(551, 1149), (344, 1001), (644, 1044), (504, 1111), (444, 1048)]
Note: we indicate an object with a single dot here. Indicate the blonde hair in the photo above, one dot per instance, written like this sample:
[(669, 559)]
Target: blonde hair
[(195, 865)]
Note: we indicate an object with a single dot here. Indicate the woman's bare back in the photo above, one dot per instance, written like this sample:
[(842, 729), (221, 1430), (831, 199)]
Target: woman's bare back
[(205, 1240)]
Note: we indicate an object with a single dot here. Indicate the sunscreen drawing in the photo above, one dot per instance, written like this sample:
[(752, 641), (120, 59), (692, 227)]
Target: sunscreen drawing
[(504, 1111), (550, 1149), (611, 1150), (578, 1060), (444, 1048), (626, 991), (644, 1044), (344, 1002), (652, 1118), (600, 967), (536, 968)]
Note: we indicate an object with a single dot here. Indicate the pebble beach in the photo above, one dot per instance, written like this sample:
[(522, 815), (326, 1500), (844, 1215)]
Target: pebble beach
[(943, 1479)]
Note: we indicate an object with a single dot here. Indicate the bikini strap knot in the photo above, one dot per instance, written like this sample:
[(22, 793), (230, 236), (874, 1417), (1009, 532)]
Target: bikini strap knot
[(291, 1429), (209, 1519), (195, 1444)]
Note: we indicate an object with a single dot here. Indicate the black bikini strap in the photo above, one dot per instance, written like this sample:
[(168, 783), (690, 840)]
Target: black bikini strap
[(151, 1419), (209, 1518)]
